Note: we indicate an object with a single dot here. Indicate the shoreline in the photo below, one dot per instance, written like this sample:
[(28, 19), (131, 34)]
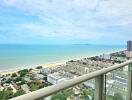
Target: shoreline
[(14, 70), (49, 64)]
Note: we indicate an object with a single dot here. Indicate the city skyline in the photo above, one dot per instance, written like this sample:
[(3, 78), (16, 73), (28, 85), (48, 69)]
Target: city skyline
[(65, 22)]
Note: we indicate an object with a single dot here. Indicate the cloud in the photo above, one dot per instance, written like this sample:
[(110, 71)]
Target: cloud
[(79, 19)]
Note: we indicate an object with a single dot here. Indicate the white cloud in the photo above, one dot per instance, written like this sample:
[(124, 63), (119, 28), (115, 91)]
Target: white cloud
[(66, 11), (83, 19)]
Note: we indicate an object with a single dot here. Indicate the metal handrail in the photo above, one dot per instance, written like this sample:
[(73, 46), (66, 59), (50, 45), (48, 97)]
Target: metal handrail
[(47, 91)]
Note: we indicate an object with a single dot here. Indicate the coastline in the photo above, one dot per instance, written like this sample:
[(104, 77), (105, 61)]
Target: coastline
[(14, 70), (49, 64)]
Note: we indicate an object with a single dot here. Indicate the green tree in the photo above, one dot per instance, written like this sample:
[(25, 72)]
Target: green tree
[(117, 96), (62, 95), (34, 87), (17, 79), (30, 69), (87, 91), (39, 67), (14, 75), (6, 94), (109, 97), (23, 72), (19, 92), (8, 81)]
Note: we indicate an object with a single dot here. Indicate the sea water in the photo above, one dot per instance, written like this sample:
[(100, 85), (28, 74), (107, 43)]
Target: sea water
[(14, 56)]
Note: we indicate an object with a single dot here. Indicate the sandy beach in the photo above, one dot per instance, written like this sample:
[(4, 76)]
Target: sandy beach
[(52, 64)]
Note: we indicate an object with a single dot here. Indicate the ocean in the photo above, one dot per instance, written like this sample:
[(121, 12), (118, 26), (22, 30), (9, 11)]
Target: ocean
[(15, 56)]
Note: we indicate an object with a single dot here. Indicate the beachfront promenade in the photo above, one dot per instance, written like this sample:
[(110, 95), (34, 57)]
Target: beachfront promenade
[(99, 84)]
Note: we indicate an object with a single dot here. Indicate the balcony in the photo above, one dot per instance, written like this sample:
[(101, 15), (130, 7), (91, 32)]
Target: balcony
[(100, 84)]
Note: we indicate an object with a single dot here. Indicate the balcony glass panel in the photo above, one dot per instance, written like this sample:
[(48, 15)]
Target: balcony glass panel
[(116, 84), (83, 91)]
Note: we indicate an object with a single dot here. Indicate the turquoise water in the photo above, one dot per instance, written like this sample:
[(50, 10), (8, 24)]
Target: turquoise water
[(13, 56)]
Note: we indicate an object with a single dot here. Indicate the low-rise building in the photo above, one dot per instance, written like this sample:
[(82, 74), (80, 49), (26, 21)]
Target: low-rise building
[(105, 56), (46, 70), (56, 78), (38, 76), (81, 67)]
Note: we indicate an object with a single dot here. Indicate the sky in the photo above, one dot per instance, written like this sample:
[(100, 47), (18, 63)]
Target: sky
[(106, 22)]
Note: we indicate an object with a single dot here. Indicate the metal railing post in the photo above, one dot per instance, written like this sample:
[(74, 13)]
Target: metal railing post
[(99, 88), (129, 92)]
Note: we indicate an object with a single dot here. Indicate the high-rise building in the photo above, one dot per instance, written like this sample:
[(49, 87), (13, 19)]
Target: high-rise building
[(129, 45), (129, 49)]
